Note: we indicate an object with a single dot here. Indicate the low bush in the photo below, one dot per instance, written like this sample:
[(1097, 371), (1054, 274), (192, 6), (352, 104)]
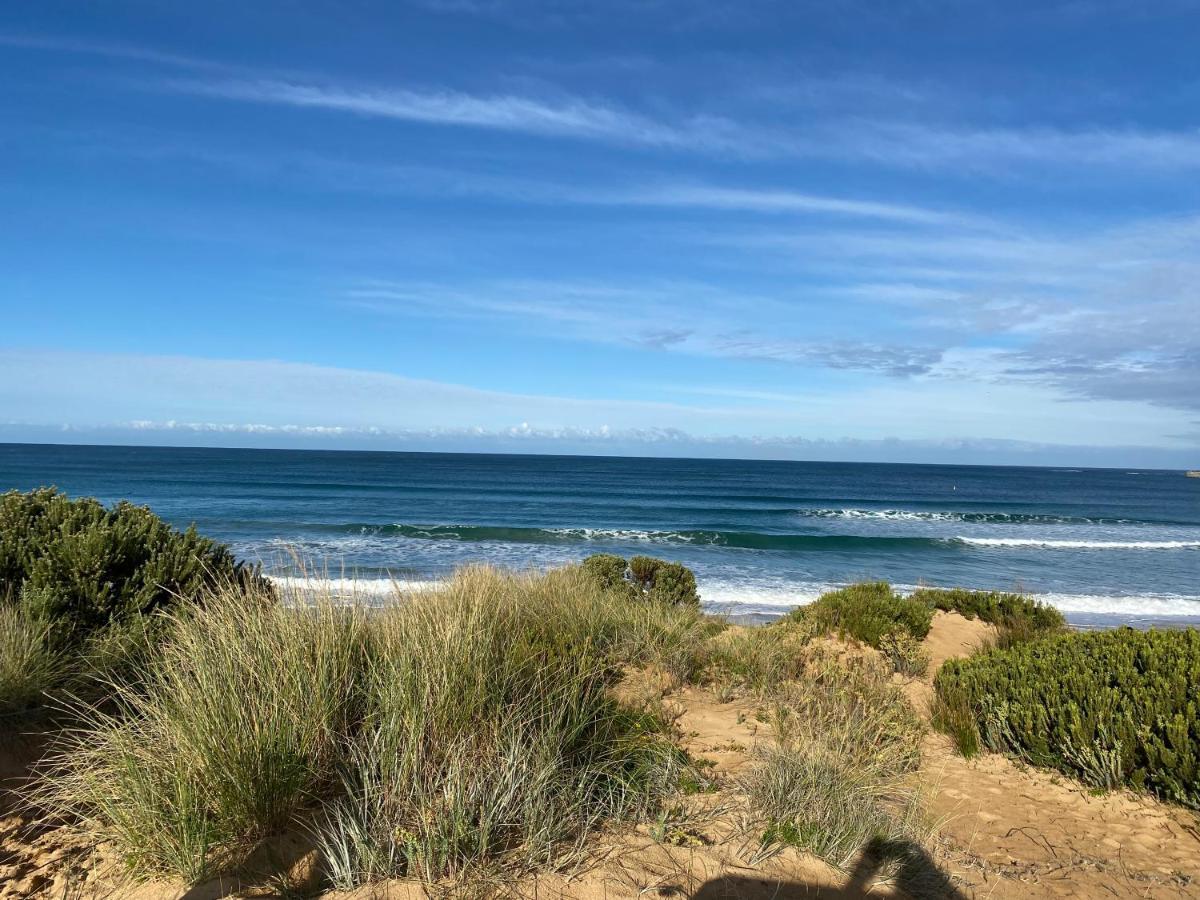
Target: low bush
[(471, 726), (1111, 708), (866, 612), (79, 566), (670, 583), (1017, 617)]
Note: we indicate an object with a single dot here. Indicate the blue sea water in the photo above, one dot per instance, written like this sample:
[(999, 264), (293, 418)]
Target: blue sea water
[(1104, 545)]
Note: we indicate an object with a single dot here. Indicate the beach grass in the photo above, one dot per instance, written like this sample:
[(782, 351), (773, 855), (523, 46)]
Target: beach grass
[(841, 768), (472, 726), (30, 668)]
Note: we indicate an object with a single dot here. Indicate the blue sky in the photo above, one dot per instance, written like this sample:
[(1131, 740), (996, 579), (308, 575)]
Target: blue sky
[(927, 230)]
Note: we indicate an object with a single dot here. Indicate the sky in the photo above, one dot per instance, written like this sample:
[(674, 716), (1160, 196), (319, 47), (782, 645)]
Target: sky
[(912, 230)]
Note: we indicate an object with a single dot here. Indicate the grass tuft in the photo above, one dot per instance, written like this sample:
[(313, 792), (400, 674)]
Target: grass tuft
[(30, 668), (841, 772), (470, 727)]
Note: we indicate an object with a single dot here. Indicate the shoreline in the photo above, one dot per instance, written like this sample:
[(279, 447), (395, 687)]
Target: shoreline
[(741, 607)]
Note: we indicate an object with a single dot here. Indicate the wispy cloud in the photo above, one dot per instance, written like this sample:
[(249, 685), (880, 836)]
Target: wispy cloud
[(936, 145), (648, 315), (838, 134), (568, 117)]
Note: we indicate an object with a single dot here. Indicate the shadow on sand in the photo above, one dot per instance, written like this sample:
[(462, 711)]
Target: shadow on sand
[(916, 876)]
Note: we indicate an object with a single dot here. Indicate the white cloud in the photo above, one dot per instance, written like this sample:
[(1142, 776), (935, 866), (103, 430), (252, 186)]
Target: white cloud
[(186, 395), (567, 117)]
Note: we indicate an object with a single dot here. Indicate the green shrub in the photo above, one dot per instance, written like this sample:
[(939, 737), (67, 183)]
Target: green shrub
[(608, 571), (867, 611), (81, 567), (1017, 617), (1115, 707), (670, 583)]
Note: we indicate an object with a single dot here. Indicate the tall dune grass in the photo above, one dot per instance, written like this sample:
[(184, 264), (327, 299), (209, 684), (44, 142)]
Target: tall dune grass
[(466, 727), (841, 769), (30, 668)]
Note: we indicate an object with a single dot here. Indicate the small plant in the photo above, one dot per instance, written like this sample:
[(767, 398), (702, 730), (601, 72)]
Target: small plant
[(866, 612), (29, 667), (841, 771), (906, 654)]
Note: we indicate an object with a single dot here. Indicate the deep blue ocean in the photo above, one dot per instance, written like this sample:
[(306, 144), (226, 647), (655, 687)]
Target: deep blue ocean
[(1104, 545)]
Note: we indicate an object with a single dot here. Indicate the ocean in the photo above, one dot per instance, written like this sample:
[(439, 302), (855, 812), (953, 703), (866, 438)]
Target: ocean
[(1106, 546)]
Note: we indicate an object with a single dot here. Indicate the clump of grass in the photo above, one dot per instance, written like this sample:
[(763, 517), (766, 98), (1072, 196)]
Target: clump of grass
[(491, 734), (30, 667), (758, 658), (841, 772), (866, 612), (470, 727), (235, 727)]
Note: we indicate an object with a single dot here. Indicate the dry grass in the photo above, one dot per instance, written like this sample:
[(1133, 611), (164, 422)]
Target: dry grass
[(841, 770)]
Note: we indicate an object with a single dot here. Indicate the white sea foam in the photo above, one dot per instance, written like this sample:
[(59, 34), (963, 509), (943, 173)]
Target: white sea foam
[(770, 598), (1079, 545), (350, 588)]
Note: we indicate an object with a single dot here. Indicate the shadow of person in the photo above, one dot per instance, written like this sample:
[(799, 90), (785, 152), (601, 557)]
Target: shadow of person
[(281, 865), (916, 876)]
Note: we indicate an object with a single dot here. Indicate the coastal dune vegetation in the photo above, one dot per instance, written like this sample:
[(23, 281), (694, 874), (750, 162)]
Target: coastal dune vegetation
[(493, 727)]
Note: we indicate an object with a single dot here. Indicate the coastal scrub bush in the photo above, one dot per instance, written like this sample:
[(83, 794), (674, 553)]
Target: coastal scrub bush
[(468, 726), (670, 583), (79, 566), (1017, 617), (866, 612), (1110, 708), (841, 771), (607, 570)]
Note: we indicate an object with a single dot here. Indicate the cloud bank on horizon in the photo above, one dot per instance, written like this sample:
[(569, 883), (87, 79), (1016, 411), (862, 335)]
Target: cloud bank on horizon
[(915, 231)]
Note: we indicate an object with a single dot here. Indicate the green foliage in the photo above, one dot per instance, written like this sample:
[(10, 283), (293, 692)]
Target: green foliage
[(905, 652), (670, 583), (470, 727), (842, 769), (866, 612), (758, 658), (1019, 618), (1115, 707), (29, 667), (607, 570), (81, 567)]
